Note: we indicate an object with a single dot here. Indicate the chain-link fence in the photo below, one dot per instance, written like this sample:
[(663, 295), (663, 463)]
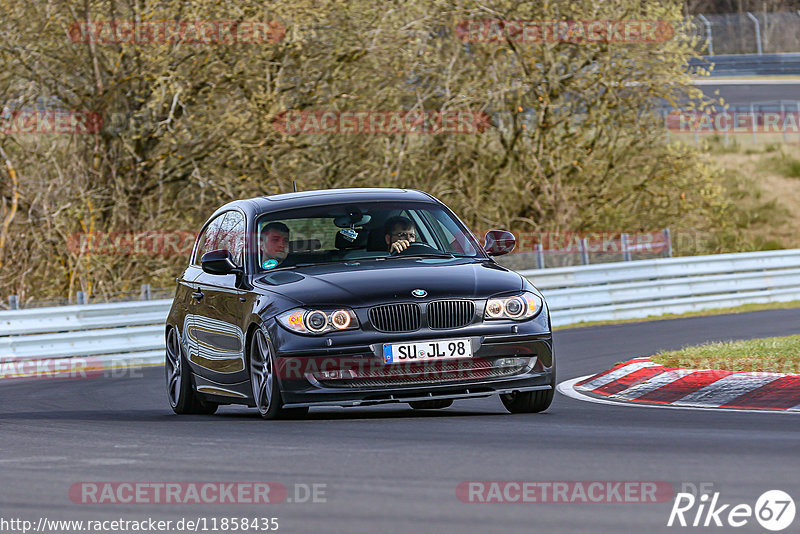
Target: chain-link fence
[(747, 33), (574, 248)]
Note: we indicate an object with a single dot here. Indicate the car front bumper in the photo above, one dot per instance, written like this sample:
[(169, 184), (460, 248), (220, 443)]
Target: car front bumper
[(355, 375)]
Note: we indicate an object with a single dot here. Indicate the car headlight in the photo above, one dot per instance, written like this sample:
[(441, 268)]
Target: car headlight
[(516, 307), (316, 321)]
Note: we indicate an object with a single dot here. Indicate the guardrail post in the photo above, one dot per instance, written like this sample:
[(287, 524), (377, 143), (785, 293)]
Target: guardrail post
[(626, 253), (145, 293), (709, 36), (753, 121), (797, 103), (584, 247), (668, 239), (537, 248), (13, 302), (783, 121), (758, 32), (81, 297)]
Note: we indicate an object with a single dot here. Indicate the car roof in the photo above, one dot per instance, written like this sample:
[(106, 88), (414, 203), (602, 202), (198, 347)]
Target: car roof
[(301, 199)]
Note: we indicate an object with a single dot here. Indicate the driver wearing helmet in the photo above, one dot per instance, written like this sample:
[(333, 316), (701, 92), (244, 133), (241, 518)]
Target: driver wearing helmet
[(400, 233)]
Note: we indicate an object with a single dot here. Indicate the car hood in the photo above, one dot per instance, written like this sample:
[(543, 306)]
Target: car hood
[(365, 283)]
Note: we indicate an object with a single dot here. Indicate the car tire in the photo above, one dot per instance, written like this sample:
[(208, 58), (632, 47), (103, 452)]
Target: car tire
[(531, 401), (436, 404), (181, 393), (265, 386), (528, 401)]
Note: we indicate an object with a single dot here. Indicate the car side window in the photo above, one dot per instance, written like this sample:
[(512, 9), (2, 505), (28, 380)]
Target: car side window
[(232, 236), (209, 239)]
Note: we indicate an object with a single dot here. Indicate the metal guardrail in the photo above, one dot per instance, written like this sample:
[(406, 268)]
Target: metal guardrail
[(133, 332), (750, 64), (83, 317), (671, 285), (107, 335)]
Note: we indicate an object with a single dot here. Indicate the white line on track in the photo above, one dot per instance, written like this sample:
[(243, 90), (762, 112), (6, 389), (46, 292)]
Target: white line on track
[(566, 388)]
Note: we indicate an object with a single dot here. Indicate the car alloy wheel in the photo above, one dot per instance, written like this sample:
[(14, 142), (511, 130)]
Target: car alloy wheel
[(261, 376), (182, 397), (266, 389), (173, 368)]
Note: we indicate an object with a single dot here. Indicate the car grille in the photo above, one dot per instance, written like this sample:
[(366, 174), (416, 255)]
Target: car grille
[(442, 372), (395, 317), (450, 313)]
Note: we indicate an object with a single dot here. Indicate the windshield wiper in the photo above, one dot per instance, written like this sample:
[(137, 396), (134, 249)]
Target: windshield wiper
[(424, 255), (318, 263)]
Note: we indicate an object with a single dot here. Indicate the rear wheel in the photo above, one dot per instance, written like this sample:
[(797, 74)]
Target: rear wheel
[(266, 391), (181, 394), (431, 404)]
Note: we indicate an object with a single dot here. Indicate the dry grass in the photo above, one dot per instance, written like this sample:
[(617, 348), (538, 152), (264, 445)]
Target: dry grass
[(773, 354), (771, 171)]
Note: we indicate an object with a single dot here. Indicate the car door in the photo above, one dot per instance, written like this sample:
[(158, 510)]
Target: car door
[(188, 289), (218, 325)]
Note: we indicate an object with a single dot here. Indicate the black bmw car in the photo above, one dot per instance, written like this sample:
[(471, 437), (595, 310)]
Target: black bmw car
[(352, 297)]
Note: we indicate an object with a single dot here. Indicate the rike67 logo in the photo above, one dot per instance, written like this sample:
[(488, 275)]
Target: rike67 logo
[(774, 510)]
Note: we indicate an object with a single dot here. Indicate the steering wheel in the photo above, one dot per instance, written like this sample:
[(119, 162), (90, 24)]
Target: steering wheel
[(416, 248)]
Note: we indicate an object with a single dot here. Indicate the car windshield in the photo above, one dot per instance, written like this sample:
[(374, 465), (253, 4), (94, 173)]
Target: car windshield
[(360, 231)]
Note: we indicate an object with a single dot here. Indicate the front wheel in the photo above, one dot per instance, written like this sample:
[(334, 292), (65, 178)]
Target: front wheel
[(531, 401), (266, 391), (528, 401), (181, 394)]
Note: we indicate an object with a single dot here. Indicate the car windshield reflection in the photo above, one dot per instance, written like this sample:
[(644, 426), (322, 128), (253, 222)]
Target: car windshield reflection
[(370, 231)]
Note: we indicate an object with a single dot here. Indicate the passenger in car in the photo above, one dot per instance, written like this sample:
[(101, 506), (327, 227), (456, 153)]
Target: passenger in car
[(400, 233), (274, 244)]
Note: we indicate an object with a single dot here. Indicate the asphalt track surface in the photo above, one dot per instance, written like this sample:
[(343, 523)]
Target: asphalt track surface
[(389, 469)]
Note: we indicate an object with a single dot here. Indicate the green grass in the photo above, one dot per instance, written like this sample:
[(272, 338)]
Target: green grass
[(783, 165), (772, 354), (703, 313)]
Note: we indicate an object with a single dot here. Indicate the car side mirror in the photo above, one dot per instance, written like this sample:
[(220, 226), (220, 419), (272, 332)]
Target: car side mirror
[(499, 242), (218, 262)]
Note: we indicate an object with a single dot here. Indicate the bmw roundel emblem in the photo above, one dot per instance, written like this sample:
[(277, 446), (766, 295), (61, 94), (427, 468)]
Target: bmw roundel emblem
[(419, 293)]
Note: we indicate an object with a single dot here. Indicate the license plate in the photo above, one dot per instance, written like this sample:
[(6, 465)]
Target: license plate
[(445, 349)]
